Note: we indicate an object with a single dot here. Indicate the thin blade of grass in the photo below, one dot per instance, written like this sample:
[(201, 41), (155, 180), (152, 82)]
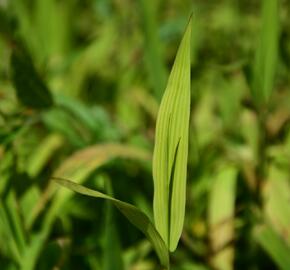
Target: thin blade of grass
[(133, 214), (267, 53), (274, 245), (16, 220), (11, 248), (172, 130), (43, 153), (276, 201), (221, 218), (112, 246)]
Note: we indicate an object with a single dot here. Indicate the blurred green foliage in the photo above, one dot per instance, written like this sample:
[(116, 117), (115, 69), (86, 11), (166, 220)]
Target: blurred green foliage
[(80, 85)]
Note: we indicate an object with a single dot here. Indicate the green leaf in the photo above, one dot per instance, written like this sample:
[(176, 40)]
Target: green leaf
[(274, 245), (11, 205), (44, 151), (267, 53), (276, 193), (30, 88), (171, 148), (32, 251), (221, 217), (11, 247), (133, 214)]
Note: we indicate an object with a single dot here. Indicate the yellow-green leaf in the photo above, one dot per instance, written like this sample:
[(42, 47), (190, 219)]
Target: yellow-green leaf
[(276, 193), (221, 217), (132, 213), (171, 148)]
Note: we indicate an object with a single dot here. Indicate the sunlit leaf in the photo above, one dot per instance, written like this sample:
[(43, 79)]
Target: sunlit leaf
[(171, 148), (221, 217), (276, 201)]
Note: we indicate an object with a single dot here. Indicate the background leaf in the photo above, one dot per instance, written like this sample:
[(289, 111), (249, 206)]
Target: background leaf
[(273, 244), (31, 89), (266, 57), (221, 217)]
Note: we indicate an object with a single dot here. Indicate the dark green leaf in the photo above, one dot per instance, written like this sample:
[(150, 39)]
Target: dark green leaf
[(30, 88)]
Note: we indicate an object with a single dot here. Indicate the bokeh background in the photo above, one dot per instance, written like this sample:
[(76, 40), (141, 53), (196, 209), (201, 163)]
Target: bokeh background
[(80, 87)]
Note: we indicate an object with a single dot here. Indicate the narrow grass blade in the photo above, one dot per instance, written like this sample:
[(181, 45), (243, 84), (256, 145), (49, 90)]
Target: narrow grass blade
[(276, 201), (32, 252), (11, 248), (133, 214), (16, 220), (27, 203), (267, 53), (112, 246), (43, 153), (221, 218), (274, 245), (171, 148)]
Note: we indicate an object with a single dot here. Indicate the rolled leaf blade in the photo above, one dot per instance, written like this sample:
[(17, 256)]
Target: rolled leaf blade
[(171, 148)]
